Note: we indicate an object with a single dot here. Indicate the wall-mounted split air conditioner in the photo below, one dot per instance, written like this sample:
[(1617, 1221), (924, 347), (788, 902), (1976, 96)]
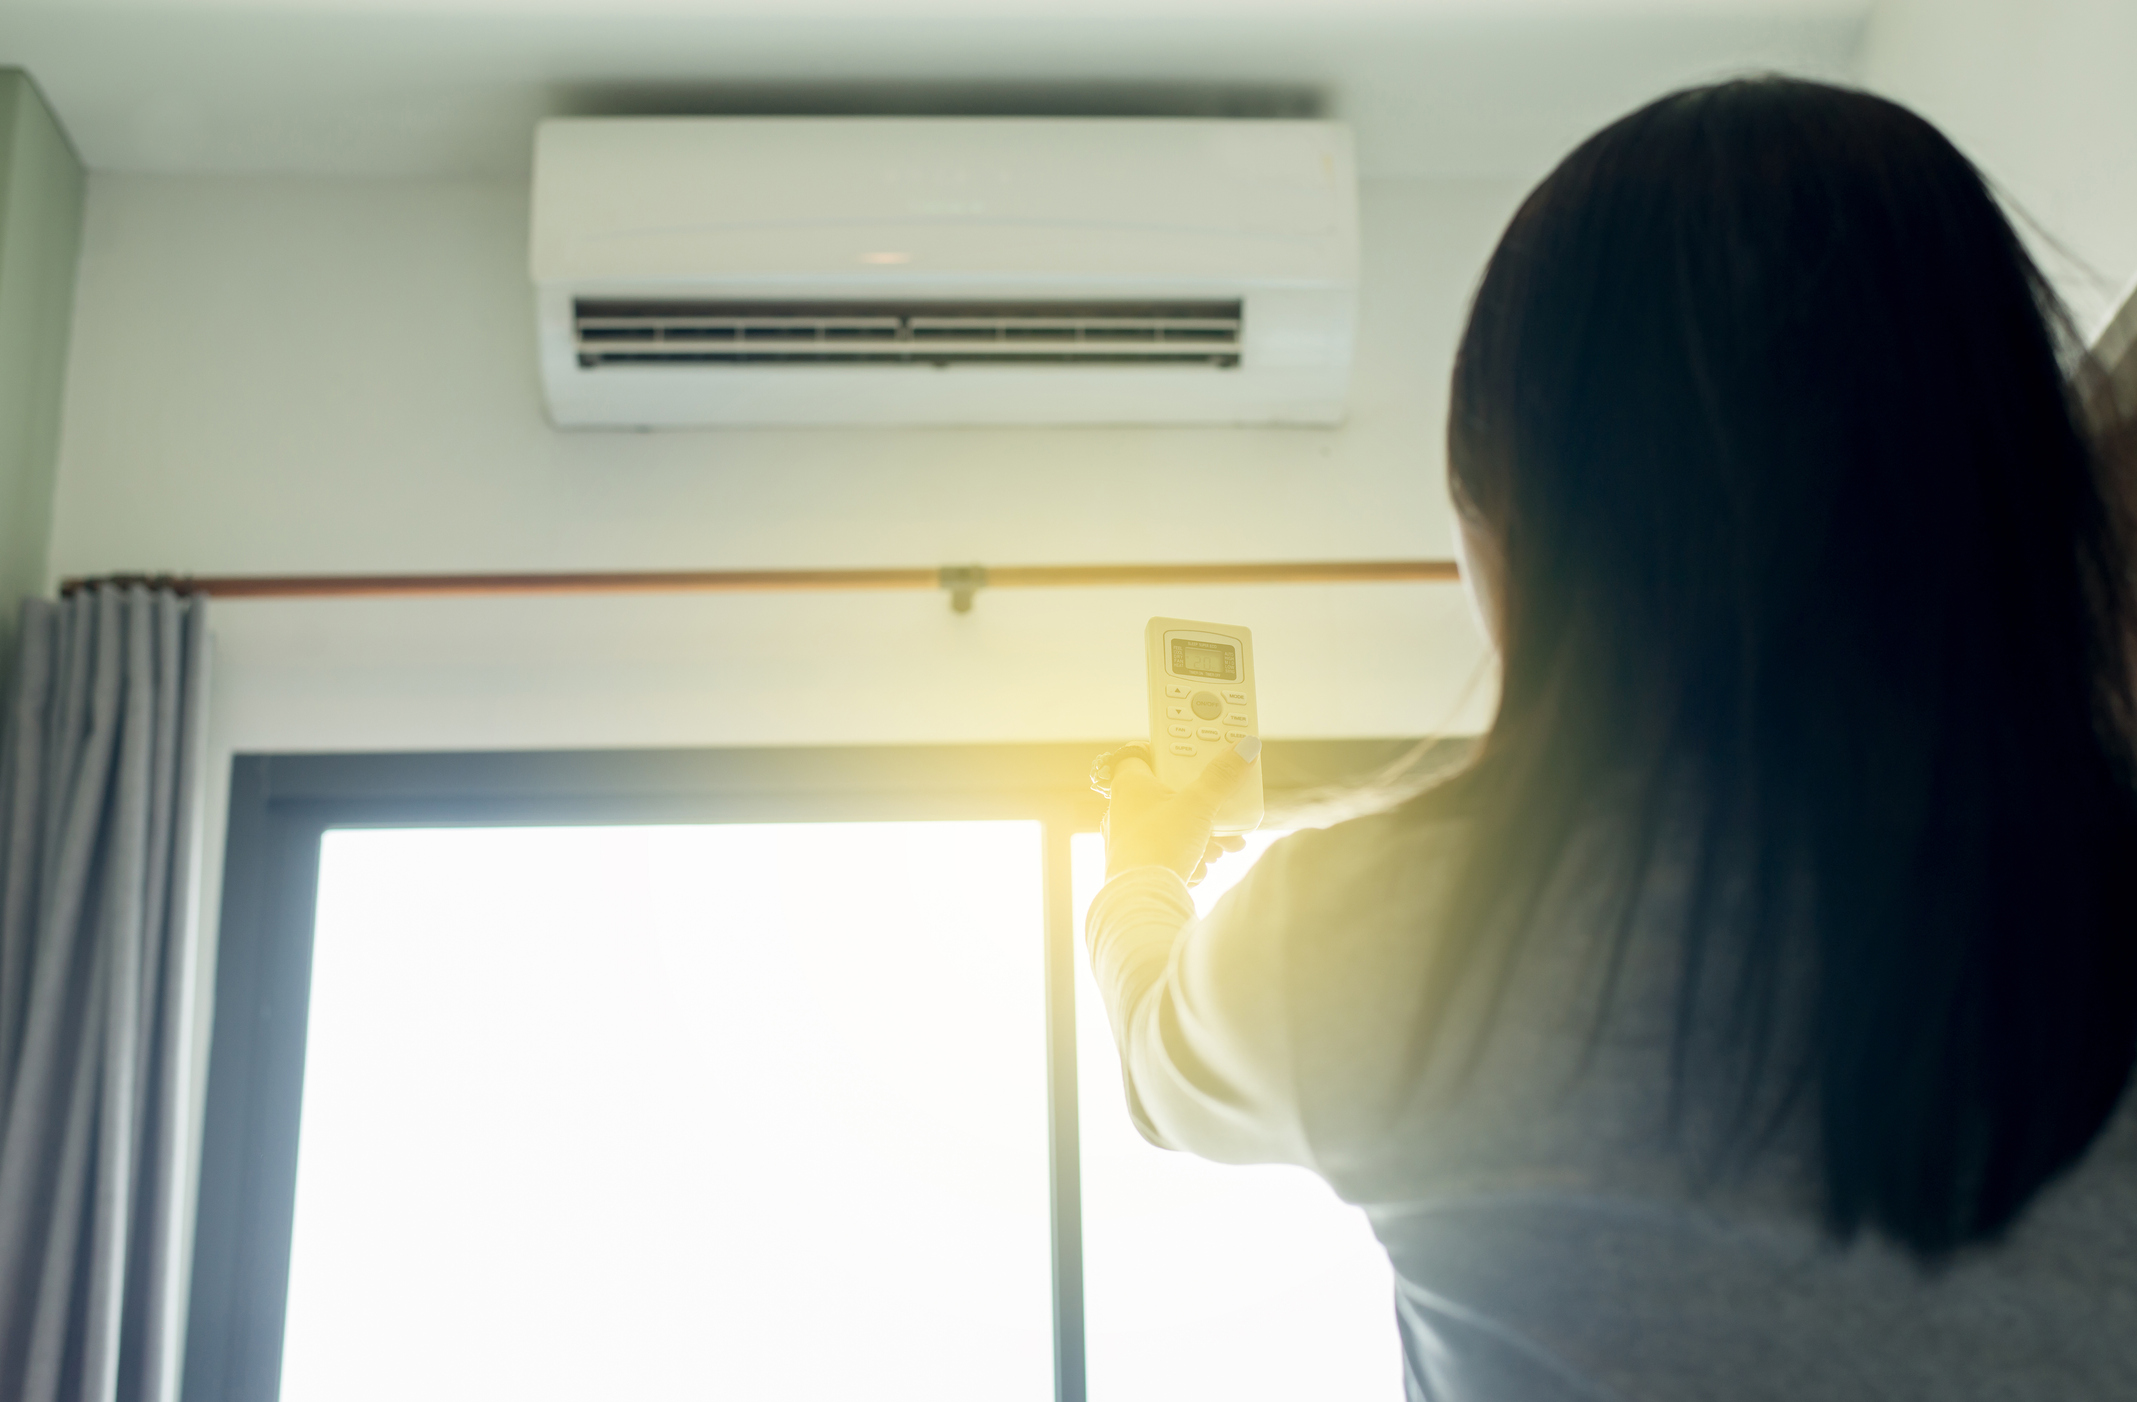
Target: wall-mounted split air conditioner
[(695, 271)]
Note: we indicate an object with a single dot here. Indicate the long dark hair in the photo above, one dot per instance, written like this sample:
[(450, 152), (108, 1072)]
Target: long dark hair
[(1815, 577)]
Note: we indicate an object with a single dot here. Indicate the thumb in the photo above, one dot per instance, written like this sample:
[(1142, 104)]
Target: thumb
[(1224, 774)]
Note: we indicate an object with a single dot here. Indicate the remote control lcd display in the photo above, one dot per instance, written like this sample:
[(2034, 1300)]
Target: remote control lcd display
[(1219, 661)]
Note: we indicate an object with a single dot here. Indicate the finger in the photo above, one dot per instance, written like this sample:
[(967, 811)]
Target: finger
[(1133, 780), (1226, 772), (1136, 750), (1195, 877), (1231, 844), (1132, 766)]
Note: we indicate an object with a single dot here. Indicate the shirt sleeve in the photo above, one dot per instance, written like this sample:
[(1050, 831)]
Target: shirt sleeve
[(1200, 1012)]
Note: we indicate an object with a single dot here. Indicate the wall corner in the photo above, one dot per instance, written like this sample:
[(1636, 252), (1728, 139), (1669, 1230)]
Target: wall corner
[(42, 187)]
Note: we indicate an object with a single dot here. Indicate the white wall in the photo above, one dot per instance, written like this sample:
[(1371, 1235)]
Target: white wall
[(281, 375), (2043, 95), (336, 374), (277, 375)]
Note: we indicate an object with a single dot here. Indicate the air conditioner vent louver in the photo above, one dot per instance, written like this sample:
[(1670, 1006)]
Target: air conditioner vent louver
[(614, 333)]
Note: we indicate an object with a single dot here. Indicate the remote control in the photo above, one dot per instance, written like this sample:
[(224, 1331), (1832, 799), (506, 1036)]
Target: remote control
[(1201, 704)]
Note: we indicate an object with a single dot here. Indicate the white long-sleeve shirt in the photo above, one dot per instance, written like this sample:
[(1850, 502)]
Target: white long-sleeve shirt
[(1546, 1239)]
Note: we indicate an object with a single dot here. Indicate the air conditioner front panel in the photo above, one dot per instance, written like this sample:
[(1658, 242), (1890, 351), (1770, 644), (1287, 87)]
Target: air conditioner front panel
[(787, 396), (727, 197), (719, 271)]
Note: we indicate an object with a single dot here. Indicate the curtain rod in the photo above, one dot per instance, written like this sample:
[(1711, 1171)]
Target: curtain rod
[(961, 581)]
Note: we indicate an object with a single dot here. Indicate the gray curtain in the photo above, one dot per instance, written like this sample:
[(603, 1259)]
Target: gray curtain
[(99, 783)]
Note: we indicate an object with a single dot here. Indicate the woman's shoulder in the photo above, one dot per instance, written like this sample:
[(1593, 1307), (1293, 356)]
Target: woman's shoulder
[(1337, 922), (1332, 912), (1341, 908)]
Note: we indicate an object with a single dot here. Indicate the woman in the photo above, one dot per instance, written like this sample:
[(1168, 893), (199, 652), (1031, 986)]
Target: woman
[(1751, 1017)]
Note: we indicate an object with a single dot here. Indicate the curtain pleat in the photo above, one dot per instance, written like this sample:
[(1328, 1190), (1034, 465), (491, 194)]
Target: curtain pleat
[(99, 782)]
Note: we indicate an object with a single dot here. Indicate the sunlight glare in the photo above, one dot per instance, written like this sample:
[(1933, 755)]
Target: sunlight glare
[(675, 1112), (1204, 1280)]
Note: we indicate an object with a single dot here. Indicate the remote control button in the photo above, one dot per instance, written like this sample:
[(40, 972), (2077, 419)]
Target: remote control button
[(1178, 713), (1235, 735), (1177, 691), (1178, 731), (1236, 718), (1237, 698), (1207, 705), (1207, 732), (1180, 749)]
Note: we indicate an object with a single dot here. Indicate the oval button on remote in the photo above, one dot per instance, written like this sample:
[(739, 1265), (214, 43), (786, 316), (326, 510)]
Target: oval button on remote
[(1180, 732), (1180, 749), (1237, 698), (1207, 705), (1207, 732)]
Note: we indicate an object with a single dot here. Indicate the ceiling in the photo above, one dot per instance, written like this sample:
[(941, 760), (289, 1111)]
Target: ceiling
[(1449, 88)]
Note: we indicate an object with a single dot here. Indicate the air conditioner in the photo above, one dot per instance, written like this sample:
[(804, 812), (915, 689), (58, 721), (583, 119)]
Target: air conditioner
[(694, 271)]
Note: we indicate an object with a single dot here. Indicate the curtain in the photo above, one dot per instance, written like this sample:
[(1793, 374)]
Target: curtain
[(98, 846)]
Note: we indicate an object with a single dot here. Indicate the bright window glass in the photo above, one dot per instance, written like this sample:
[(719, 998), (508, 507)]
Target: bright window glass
[(675, 1112), (1203, 1280)]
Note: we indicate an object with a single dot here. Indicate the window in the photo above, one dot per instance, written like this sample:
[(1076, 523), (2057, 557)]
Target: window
[(718, 1074)]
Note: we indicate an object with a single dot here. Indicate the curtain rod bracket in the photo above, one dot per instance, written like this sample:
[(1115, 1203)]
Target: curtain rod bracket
[(963, 581)]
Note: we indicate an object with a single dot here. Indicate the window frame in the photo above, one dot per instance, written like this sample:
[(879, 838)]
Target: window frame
[(282, 806)]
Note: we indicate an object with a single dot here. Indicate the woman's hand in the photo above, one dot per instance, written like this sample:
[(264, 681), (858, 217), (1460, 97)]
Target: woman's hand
[(1148, 825)]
